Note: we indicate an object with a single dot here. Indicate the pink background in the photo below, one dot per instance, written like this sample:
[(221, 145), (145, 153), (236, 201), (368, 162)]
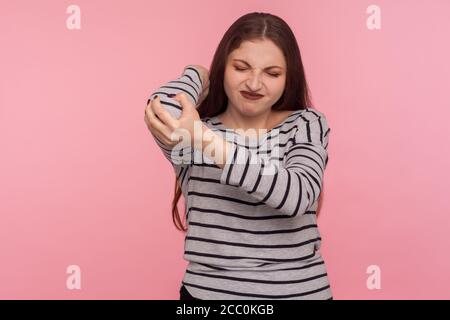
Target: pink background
[(83, 183)]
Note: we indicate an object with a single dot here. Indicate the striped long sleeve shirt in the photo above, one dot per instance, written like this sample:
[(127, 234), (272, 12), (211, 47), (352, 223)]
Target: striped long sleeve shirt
[(251, 226)]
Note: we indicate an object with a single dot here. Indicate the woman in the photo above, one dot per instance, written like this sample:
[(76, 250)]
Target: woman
[(251, 199)]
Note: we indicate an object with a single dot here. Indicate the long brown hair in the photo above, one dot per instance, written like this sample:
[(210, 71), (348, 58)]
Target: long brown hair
[(252, 26)]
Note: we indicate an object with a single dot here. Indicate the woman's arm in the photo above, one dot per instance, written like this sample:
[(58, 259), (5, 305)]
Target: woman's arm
[(190, 82), (194, 83), (204, 76), (291, 188)]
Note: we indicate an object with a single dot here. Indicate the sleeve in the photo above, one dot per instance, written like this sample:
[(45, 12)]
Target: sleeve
[(291, 186), (191, 84)]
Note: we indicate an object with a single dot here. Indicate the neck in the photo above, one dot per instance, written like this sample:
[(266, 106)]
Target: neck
[(231, 118)]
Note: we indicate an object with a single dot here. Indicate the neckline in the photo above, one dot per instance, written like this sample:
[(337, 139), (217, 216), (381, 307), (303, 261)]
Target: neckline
[(219, 123)]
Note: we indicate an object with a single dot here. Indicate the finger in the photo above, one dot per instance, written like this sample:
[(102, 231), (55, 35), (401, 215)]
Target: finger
[(152, 117), (157, 125), (151, 127), (149, 109), (150, 103), (183, 100), (162, 114), (156, 133)]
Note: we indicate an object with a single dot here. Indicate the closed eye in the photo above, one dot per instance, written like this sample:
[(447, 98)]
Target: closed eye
[(275, 75)]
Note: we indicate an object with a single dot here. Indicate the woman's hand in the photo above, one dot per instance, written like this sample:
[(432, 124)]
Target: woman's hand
[(204, 75), (168, 129)]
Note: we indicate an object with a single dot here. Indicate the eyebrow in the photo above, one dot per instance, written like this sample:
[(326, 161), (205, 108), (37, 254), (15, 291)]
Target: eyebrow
[(243, 61)]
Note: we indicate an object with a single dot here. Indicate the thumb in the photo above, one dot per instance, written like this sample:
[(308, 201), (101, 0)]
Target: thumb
[(184, 101)]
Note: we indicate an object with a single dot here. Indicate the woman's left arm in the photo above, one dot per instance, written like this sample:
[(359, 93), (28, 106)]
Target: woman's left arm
[(292, 188)]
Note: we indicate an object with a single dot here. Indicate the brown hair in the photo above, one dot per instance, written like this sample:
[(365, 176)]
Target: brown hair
[(253, 26)]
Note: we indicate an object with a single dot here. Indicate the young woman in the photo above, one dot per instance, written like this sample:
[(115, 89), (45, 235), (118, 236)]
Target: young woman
[(251, 199)]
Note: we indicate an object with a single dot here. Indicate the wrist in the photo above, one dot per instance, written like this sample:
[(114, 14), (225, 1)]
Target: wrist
[(211, 144)]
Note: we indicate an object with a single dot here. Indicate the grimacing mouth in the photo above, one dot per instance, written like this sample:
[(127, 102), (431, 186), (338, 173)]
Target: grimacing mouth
[(252, 94)]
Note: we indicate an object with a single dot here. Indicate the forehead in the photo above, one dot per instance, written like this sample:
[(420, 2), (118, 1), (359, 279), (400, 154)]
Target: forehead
[(259, 52)]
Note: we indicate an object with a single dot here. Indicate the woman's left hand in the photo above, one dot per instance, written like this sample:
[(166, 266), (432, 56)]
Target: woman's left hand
[(168, 129)]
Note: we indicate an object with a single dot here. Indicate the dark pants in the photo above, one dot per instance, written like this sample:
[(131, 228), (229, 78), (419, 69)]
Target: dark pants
[(185, 295)]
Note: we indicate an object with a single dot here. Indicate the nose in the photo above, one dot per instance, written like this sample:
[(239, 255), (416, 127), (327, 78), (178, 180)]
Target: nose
[(253, 83)]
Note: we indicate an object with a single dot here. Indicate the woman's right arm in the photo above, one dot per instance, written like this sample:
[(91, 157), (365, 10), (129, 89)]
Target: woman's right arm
[(194, 82)]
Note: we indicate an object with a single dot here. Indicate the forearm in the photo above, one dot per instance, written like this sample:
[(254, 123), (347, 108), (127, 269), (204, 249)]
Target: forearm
[(213, 146), (290, 186)]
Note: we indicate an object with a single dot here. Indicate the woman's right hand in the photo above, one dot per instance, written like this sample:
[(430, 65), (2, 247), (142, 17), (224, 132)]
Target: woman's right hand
[(204, 74)]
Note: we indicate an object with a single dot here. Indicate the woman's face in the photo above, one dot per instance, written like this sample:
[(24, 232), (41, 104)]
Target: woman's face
[(259, 67)]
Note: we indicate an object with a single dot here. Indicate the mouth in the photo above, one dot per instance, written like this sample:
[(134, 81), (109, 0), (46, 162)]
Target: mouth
[(249, 96)]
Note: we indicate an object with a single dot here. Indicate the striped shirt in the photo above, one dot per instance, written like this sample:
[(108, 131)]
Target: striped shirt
[(252, 228)]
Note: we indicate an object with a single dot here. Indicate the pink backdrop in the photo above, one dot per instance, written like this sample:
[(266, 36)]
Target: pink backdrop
[(83, 183)]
